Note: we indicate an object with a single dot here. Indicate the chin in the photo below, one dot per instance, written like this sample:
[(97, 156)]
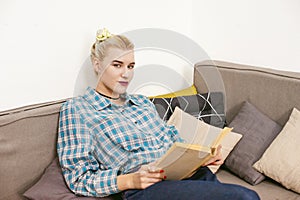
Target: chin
[(120, 90)]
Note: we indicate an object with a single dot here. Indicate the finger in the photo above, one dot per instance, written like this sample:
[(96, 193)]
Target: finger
[(214, 160), (147, 180), (153, 180), (219, 153), (145, 185), (219, 150), (207, 163), (144, 179), (218, 160), (154, 175), (152, 168)]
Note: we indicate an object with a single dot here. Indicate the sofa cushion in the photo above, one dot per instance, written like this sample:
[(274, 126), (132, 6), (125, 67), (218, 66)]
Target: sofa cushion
[(208, 107), (27, 145), (52, 186), (258, 132), (281, 160), (267, 190)]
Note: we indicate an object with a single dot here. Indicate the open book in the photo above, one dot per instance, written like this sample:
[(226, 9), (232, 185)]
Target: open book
[(200, 144)]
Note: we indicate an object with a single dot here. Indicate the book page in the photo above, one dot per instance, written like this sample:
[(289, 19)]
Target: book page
[(192, 130)]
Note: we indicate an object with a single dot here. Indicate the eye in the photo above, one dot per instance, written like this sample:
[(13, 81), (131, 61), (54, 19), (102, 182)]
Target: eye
[(117, 65), (130, 66)]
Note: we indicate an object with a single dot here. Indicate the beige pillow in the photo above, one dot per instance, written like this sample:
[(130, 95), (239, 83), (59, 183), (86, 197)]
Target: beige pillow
[(186, 123), (281, 160)]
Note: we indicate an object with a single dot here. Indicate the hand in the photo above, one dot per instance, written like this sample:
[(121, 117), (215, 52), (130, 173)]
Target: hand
[(146, 176), (217, 159)]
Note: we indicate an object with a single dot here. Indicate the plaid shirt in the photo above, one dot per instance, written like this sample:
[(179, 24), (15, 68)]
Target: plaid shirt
[(99, 140)]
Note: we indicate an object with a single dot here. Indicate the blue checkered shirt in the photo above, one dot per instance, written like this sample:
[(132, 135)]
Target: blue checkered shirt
[(99, 140)]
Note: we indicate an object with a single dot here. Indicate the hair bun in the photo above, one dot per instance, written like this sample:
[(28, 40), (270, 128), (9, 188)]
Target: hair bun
[(103, 34)]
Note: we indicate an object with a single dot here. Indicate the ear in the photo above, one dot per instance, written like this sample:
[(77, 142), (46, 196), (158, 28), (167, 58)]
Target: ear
[(96, 64)]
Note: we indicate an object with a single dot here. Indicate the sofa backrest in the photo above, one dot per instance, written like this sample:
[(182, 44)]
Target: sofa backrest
[(273, 92), (27, 146)]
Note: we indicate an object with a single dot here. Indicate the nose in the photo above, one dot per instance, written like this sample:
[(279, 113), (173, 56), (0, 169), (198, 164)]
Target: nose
[(125, 73)]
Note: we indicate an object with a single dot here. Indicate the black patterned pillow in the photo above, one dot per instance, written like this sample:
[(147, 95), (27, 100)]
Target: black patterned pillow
[(208, 107)]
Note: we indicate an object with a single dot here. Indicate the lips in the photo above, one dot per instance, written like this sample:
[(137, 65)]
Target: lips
[(123, 83)]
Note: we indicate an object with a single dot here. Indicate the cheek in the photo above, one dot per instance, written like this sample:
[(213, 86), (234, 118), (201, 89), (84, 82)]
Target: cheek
[(131, 74), (107, 77), (110, 73)]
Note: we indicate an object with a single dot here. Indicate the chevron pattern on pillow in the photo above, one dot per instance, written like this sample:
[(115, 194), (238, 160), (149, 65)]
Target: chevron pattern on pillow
[(208, 107)]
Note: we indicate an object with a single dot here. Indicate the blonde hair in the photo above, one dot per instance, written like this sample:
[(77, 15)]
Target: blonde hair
[(100, 47)]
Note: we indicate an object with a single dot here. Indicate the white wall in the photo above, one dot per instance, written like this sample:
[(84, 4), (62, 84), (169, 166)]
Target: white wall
[(44, 44), (264, 33)]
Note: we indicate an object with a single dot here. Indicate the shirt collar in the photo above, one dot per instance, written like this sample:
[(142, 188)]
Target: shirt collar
[(99, 102), (136, 99)]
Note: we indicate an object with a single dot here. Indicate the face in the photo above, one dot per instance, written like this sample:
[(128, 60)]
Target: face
[(115, 71)]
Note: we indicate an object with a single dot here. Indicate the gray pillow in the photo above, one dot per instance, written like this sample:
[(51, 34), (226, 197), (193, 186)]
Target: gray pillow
[(258, 132), (52, 186)]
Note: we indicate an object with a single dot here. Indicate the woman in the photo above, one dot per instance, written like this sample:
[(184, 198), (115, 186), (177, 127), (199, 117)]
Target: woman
[(108, 139)]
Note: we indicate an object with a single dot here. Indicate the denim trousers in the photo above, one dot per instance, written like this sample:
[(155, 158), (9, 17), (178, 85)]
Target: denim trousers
[(202, 185)]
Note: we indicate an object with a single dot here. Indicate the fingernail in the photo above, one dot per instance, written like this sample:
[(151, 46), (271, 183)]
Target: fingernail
[(161, 171), (165, 177)]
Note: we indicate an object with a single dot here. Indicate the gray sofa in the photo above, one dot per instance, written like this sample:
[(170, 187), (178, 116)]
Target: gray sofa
[(28, 134)]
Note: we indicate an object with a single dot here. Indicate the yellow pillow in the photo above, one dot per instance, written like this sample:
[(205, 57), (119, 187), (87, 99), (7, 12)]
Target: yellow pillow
[(185, 92)]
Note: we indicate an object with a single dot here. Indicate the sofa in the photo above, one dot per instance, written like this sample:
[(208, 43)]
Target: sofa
[(28, 134)]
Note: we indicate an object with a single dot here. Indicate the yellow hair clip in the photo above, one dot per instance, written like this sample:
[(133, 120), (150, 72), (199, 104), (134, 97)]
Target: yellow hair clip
[(103, 36)]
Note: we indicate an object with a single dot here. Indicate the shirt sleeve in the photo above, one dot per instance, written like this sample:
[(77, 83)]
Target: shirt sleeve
[(75, 151)]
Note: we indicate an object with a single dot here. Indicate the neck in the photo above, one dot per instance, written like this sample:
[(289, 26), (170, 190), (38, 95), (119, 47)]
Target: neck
[(109, 97)]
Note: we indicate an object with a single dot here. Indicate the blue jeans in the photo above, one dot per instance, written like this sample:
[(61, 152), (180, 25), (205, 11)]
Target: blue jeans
[(202, 185)]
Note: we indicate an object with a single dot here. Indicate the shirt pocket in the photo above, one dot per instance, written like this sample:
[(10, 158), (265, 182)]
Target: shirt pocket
[(141, 142)]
